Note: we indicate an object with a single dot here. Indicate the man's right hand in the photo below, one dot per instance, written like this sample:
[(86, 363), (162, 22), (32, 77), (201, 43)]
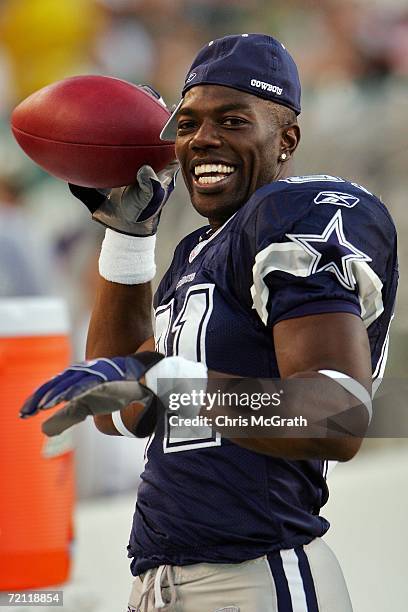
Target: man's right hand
[(134, 210)]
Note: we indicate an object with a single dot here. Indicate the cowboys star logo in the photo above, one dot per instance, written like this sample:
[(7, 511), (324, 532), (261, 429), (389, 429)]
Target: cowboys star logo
[(331, 251)]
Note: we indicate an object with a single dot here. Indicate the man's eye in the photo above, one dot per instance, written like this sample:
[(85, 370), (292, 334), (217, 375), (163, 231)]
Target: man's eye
[(185, 125), (234, 121)]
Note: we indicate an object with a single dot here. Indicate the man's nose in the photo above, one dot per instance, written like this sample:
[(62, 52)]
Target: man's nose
[(206, 136)]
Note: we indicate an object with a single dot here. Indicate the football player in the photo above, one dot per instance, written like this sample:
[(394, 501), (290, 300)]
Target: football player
[(294, 277)]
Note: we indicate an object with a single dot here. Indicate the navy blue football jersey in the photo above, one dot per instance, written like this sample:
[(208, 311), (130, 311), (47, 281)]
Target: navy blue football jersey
[(300, 246)]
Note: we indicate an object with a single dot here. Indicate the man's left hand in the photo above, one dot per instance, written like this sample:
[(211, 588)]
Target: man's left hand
[(99, 386)]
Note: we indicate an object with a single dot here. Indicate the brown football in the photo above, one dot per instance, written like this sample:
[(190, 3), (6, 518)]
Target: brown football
[(95, 131)]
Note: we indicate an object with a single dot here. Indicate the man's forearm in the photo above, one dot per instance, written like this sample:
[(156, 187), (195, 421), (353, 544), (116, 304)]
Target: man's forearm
[(327, 408), (121, 319), (337, 421)]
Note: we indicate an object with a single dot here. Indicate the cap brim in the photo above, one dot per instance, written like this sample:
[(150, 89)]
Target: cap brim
[(169, 132)]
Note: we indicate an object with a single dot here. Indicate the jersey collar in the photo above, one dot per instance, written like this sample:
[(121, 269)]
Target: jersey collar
[(204, 241)]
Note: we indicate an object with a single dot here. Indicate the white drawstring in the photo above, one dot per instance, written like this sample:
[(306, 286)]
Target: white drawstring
[(144, 595), (155, 583), (158, 599)]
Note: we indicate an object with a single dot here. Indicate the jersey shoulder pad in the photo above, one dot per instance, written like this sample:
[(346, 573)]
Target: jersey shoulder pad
[(317, 242), (305, 203)]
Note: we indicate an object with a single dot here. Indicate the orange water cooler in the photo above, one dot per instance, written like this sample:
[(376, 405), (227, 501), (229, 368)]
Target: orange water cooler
[(36, 473)]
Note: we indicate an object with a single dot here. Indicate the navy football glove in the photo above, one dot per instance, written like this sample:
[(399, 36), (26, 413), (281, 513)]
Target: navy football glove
[(136, 209), (100, 386)]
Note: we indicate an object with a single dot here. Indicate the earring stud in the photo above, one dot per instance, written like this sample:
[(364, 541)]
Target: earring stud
[(283, 157)]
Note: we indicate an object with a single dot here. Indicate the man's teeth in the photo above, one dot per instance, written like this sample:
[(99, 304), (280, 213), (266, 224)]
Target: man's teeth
[(218, 168), (206, 180)]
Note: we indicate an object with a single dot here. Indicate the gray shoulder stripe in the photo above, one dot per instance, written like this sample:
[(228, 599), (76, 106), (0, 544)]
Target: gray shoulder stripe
[(293, 259)]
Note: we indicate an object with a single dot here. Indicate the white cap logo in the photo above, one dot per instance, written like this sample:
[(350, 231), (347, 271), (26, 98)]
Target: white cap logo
[(191, 77), (267, 87)]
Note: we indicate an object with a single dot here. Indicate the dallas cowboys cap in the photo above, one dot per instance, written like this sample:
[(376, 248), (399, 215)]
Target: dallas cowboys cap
[(254, 63)]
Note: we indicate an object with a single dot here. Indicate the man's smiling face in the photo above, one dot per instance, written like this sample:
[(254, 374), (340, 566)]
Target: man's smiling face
[(228, 144)]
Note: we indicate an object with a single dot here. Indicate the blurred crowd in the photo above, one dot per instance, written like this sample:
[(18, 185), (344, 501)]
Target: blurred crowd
[(353, 61)]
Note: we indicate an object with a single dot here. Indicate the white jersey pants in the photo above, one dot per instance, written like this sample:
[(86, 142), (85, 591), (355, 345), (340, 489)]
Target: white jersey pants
[(304, 579)]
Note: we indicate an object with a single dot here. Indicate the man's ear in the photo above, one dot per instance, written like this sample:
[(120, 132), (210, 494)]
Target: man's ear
[(290, 138)]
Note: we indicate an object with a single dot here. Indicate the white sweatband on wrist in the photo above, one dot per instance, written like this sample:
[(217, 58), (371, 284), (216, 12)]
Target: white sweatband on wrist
[(178, 375), (120, 426), (128, 260), (352, 386)]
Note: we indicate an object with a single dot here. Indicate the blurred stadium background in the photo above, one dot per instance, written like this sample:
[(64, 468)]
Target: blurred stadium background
[(353, 61)]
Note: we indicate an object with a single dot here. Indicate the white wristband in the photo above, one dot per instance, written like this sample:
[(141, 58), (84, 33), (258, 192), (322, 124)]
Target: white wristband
[(178, 376), (128, 260), (352, 386)]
